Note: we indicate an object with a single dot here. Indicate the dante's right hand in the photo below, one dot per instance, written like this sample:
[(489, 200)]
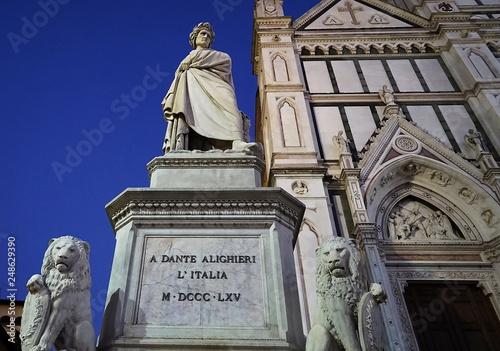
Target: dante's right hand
[(184, 66)]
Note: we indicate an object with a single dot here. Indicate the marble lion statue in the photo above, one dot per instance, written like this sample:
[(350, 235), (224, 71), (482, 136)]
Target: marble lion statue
[(57, 309), (341, 284)]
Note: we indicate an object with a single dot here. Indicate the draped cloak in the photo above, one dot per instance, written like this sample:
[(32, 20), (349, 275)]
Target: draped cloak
[(203, 98)]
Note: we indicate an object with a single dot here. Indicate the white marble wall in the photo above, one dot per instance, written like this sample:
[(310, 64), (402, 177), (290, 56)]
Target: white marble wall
[(433, 74), (459, 121), (375, 74), (426, 118), (329, 124), (318, 77), (405, 76), (346, 77), (362, 125)]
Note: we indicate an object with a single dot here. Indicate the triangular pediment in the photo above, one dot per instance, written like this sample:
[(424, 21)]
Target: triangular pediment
[(400, 137), (355, 14)]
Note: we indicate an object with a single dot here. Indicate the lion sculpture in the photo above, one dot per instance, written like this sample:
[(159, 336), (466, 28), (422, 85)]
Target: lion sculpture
[(57, 309), (341, 285)]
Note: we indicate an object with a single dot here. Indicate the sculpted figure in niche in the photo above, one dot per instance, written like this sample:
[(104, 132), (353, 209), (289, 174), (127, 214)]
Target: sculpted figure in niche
[(200, 105), (342, 290), (474, 141), (57, 309)]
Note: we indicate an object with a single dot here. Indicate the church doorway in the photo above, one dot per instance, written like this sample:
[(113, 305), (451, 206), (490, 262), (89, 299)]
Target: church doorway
[(452, 315)]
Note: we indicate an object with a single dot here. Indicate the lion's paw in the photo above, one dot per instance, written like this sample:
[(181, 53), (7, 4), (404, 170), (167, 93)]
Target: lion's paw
[(378, 292), (35, 284)]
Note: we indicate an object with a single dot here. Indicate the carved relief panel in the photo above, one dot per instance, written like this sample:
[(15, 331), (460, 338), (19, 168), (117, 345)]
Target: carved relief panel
[(412, 219)]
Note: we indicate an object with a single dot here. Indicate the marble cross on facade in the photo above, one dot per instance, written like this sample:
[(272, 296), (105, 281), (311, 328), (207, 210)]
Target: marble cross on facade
[(352, 11)]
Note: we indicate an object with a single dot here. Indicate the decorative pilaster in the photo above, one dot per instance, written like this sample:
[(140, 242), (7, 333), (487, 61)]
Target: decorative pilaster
[(366, 236), (350, 177), (491, 171)]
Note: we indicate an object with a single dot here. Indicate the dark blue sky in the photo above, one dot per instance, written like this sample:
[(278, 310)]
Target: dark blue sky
[(81, 84)]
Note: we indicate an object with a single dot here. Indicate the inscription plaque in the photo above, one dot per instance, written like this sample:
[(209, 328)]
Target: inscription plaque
[(201, 281)]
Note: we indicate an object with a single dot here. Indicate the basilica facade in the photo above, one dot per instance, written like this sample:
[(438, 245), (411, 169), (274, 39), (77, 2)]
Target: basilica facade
[(383, 118)]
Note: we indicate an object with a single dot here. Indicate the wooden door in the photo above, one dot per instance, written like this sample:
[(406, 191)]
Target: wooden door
[(452, 316)]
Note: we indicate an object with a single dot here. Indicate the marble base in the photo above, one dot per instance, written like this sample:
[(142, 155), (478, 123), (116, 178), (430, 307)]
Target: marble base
[(203, 269), (202, 170)]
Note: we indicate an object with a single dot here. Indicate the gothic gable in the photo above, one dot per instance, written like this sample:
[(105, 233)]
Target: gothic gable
[(353, 14), (403, 160), (400, 137)]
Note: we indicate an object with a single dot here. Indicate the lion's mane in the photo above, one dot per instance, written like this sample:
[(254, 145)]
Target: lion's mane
[(77, 279), (350, 288)]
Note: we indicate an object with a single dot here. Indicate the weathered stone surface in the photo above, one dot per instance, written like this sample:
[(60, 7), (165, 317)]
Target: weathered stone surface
[(207, 267), (205, 170), (341, 285), (214, 281), (58, 303)]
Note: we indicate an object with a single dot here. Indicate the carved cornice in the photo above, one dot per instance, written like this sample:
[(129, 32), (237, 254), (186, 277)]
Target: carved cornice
[(452, 257), (201, 224), (366, 234), (193, 160), (346, 173), (276, 45), (431, 246), (204, 206), (284, 87), (318, 171), (273, 23), (375, 98)]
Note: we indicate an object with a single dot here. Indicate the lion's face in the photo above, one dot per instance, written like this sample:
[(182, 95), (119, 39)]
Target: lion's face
[(336, 257), (65, 254)]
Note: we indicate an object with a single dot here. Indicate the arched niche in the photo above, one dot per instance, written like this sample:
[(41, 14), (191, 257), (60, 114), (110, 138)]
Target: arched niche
[(289, 122), (280, 68), (481, 64)]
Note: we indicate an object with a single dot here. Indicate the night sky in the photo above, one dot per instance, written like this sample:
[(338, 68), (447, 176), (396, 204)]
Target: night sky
[(81, 84)]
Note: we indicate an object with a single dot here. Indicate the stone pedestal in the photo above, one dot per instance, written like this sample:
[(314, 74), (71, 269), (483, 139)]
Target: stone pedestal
[(207, 266)]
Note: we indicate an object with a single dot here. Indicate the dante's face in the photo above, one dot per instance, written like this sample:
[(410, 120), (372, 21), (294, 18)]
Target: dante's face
[(203, 39)]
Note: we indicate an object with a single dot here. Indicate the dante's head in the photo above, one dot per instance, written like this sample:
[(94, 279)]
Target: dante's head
[(206, 30)]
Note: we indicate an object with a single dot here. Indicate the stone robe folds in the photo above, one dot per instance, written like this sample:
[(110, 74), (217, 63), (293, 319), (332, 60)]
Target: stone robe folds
[(202, 98)]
